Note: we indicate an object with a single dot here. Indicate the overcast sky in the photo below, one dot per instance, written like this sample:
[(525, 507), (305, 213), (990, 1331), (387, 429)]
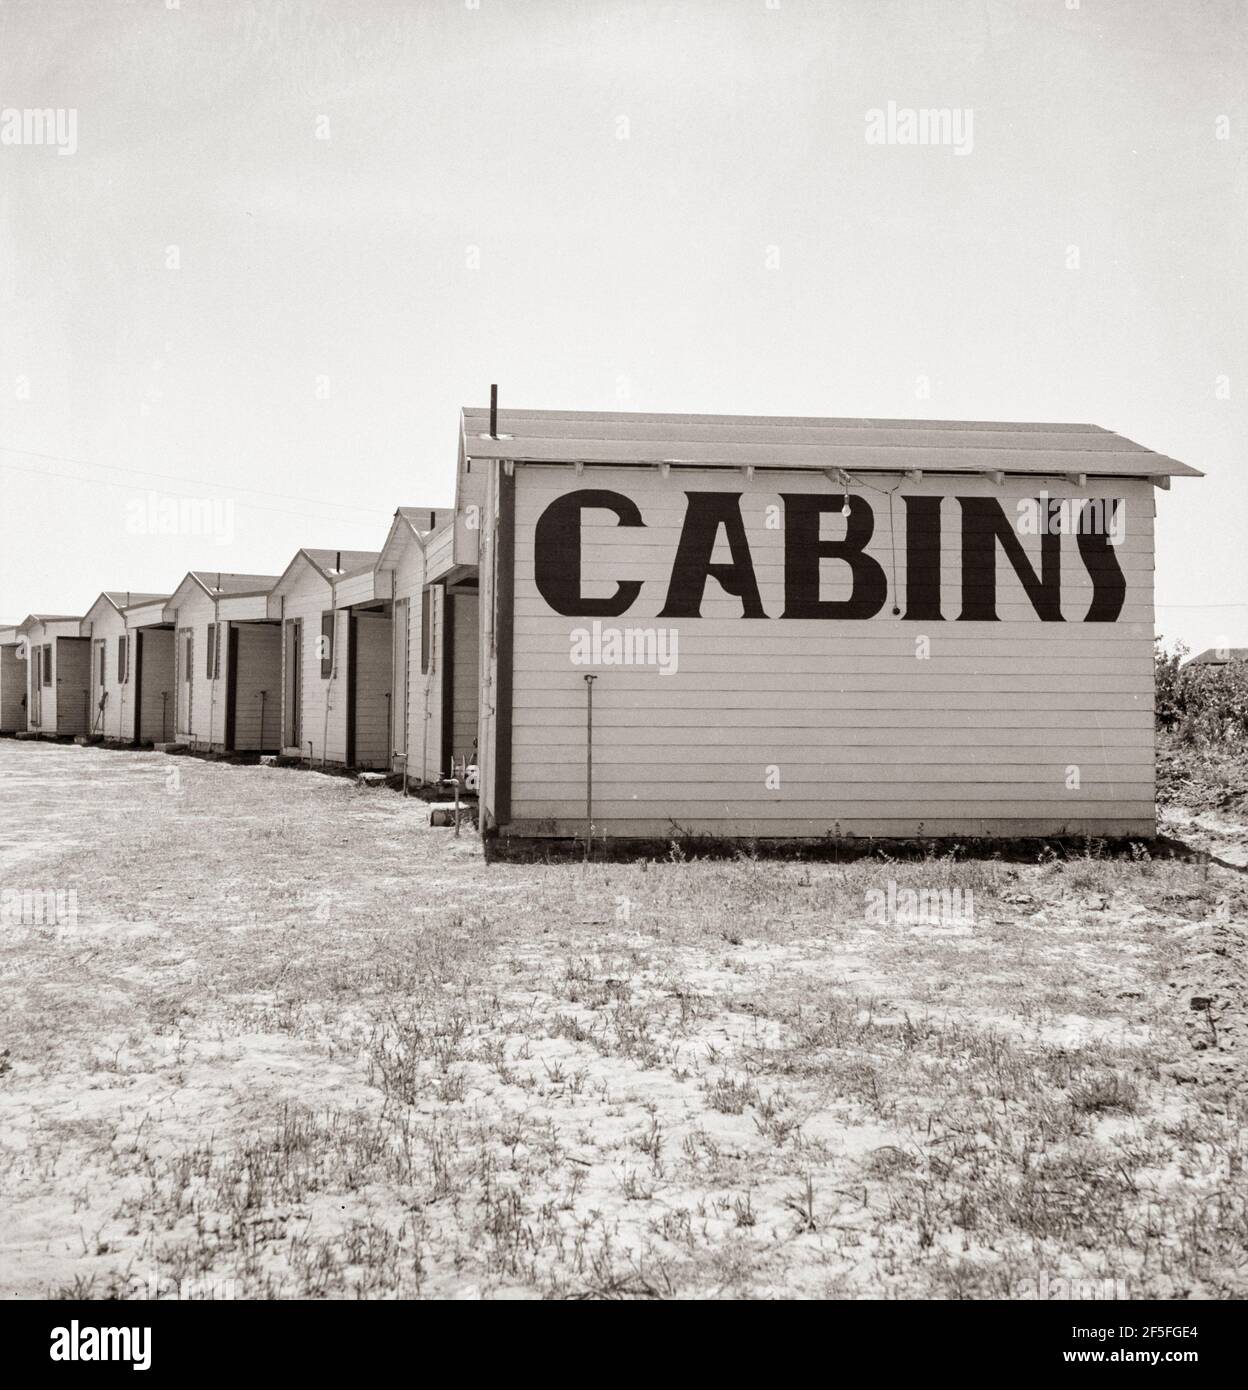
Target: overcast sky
[(600, 206)]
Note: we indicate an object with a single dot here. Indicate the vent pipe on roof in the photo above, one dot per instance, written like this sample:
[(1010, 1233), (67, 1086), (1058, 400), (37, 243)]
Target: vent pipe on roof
[(494, 411), (338, 562)]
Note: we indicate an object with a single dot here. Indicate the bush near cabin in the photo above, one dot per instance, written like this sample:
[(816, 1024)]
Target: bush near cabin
[(1202, 722)]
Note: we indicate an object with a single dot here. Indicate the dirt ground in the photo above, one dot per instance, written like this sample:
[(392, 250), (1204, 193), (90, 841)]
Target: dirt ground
[(267, 1034)]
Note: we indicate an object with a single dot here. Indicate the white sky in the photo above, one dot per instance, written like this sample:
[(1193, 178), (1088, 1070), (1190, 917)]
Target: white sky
[(613, 273)]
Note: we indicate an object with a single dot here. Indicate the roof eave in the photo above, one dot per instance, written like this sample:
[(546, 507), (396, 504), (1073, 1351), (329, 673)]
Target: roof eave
[(1151, 465)]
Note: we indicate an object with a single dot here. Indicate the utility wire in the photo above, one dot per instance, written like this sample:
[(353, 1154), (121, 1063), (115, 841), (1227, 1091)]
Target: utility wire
[(129, 487), (176, 478)]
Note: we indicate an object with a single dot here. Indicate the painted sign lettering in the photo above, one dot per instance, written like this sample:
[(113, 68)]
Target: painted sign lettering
[(987, 533)]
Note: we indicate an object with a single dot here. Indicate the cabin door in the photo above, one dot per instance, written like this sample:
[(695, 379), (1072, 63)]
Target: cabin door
[(186, 679), (402, 639), (231, 684), (35, 657), (292, 691), (99, 656)]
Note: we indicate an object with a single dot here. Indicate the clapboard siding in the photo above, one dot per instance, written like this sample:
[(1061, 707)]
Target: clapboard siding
[(768, 695), (355, 588), (373, 639), (423, 729), (115, 718), (768, 724), (439, 553), (989, 826), (201, 723), (323, 731), (857, 744), (494, 609), (842, 801), (259, 672)]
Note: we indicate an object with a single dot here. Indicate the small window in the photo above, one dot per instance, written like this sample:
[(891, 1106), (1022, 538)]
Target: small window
[(211, 655), (187, 673), (101, 648), (47, 664), (426, 629), (123, 673), (326, 645)]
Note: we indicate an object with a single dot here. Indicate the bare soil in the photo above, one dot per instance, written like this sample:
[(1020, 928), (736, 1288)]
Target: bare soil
[(287, 1040)]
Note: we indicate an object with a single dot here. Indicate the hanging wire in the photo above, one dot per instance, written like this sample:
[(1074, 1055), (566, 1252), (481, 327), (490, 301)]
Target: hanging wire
[(892, 535)]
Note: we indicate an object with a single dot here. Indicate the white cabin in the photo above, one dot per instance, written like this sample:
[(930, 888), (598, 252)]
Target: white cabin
[(435, 645), (813, 627), (208, 686), (58, 676), (315, 652), (114, 689)]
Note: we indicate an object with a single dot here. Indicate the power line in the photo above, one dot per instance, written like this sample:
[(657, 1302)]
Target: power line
[(129, 487), (176, 478)]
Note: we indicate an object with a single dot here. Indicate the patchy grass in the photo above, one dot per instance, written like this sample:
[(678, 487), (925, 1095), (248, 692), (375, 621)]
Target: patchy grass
[(295, 1043)]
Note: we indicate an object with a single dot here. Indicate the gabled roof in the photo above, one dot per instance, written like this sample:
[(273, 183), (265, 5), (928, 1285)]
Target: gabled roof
[(333, 564), (329, 564), (1219, 656), (423, 520), (797, 442), (216, 584), (413, 523), (345, 573), (121, 600), (34, 619)]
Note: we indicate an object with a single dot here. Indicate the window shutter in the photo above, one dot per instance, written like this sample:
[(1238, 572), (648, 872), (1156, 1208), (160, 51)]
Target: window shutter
[(327, 644), (212, 647), (47, 664), (121, 659), (426, 625)]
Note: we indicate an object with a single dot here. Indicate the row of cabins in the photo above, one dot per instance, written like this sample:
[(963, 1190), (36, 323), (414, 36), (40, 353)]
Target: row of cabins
[(789, 626), (344, 659)]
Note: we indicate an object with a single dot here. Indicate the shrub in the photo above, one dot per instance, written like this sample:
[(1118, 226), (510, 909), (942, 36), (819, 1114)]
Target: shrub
[(1200, 704)]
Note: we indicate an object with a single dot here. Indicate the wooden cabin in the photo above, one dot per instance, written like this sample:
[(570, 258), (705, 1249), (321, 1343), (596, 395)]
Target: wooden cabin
[(218, 677), (113, 687), (316, 666), (811, 627), (12, 680), (152, 686), (436, 644), (58, 676)]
